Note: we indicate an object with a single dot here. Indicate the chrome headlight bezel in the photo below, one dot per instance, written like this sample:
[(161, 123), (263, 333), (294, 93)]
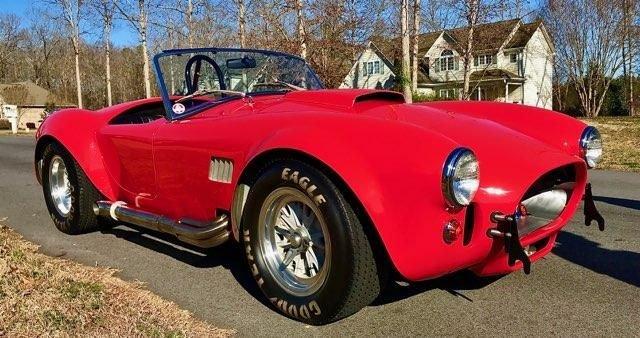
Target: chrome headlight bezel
[(455, 193), (591, 146)]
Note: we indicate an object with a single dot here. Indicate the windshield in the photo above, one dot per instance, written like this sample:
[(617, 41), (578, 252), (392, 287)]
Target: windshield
[(194, 79)]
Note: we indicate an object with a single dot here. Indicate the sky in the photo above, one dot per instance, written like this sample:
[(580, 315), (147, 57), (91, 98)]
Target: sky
[(122, 35)]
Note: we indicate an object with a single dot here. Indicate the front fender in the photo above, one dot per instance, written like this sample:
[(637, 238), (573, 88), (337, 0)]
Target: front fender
[(557, 130), (394, 169), (75, 129)]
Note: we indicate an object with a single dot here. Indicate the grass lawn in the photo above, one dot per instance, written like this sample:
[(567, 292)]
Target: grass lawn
[(46, 296), (621, 137)]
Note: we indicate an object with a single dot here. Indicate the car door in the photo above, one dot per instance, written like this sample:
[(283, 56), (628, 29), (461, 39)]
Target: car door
[(185, 151), (128, 154)]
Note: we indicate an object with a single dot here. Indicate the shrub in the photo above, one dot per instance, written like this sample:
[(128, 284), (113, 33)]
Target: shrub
[(417, 97), (5, 124)]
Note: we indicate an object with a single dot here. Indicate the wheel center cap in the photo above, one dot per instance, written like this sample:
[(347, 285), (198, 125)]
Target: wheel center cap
[(296, 241)]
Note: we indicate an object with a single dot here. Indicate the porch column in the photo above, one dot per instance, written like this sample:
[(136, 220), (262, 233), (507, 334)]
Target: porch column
[(506, 91), (479, 94)]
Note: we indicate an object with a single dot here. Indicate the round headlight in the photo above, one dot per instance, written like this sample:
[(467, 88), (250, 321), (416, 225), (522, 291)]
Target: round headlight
[(591, 145), (460, 178)]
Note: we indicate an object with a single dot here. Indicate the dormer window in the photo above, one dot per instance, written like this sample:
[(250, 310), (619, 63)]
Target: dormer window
[(372, 67), (446, 61), (484, 60)]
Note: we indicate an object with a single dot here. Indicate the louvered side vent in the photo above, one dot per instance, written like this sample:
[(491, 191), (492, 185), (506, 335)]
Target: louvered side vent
[(220, 170)]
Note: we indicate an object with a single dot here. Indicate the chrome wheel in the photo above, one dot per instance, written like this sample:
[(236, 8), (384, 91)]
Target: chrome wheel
[(294, 241), (59, 186)]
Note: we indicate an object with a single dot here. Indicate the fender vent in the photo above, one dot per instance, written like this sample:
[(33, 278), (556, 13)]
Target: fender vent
[(220, 170)]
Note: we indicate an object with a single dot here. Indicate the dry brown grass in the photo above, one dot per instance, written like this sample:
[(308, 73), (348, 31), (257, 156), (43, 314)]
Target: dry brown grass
[(45, 296), (621, 137)]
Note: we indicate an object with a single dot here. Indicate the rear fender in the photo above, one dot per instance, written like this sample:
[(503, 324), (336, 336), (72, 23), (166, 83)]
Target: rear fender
[(75, 129)]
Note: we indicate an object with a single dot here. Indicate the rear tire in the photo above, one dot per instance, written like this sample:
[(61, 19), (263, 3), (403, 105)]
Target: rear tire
[(333, 273), (68, 193)]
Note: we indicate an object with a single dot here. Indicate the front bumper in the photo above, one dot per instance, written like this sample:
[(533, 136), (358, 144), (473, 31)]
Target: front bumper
[(505, 257)]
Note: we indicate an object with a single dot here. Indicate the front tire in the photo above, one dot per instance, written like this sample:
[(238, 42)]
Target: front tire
[(305, 246), (68, 193)]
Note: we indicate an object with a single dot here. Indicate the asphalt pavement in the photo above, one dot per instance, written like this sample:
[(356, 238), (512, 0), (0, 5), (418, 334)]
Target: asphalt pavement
[(589, 285)]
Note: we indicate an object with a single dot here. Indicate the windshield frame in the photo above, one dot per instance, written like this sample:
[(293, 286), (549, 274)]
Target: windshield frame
[(164, 93)]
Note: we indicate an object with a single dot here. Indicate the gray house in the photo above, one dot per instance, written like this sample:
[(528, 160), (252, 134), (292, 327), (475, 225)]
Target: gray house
[(513, 62)]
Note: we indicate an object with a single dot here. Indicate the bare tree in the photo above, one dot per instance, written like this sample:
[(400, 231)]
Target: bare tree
[(242, 21), (414, 43), (406, 58), (302, 34), (140, 22), (71, 11), (629, 47), (11, 39), (588, 36), (471, 9), (105, 10)]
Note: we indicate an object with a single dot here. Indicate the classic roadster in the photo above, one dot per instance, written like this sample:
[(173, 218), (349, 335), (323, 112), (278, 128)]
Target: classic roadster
[(328, 191)]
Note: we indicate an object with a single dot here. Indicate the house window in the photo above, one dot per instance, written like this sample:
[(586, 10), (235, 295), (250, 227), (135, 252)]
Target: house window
[(448, 94), (372, 67), (484, 60), (513, 57), (446, 60)]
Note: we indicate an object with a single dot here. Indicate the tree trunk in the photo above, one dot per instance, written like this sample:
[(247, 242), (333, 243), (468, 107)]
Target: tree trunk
[(107, 61), (76, 47), (190, 22), (415, 47), (472, 19), (302, 34), (406, 59), (145, 50), (107, 66), (241, 24)]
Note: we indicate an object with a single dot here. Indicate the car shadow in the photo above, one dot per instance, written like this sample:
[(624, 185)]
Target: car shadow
[(228, 255), (231, 257), (453, 284), (619, 264), (621, 202)]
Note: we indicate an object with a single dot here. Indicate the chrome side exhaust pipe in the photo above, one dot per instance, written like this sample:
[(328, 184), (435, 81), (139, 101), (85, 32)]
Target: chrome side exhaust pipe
[(204, 236)]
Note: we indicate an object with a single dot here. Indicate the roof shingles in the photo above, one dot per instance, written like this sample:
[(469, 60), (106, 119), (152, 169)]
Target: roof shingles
[(36, 96)]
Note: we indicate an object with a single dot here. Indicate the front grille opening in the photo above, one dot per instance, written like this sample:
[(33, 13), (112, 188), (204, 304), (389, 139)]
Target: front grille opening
[(555, 178), (545, 201), (468, 224)]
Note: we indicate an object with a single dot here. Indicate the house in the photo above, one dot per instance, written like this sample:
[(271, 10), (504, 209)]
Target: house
[(512, 62), (31, 100)]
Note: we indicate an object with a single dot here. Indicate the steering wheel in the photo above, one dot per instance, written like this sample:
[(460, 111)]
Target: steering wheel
[(192, 83)]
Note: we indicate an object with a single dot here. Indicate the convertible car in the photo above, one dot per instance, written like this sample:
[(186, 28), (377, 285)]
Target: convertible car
[(329, 192)]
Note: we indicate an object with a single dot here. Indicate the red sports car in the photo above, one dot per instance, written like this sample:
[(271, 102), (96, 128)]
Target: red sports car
[(328, 191)]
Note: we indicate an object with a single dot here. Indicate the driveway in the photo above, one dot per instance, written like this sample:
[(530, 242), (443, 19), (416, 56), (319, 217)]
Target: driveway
[(589, 285)]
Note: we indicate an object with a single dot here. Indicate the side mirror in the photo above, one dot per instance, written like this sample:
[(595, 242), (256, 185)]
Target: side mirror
[(242, 63)]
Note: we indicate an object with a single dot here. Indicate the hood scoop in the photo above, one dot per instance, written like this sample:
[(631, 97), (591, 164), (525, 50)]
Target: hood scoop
[(347, 99)]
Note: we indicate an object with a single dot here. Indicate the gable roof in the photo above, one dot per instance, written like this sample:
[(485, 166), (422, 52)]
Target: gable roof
[(489, 36), (36, 96), (392, 48), (524, 34)]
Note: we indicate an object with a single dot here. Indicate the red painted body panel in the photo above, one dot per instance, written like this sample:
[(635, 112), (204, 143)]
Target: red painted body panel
[(388, 153)]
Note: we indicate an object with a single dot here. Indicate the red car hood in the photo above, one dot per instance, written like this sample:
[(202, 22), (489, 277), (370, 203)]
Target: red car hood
[(502, 152)]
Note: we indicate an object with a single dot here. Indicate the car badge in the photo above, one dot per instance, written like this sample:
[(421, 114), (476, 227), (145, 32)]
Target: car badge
[(178, 108)]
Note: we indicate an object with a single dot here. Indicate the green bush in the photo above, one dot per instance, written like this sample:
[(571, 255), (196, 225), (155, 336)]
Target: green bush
[(5, 124), (417, 97)]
